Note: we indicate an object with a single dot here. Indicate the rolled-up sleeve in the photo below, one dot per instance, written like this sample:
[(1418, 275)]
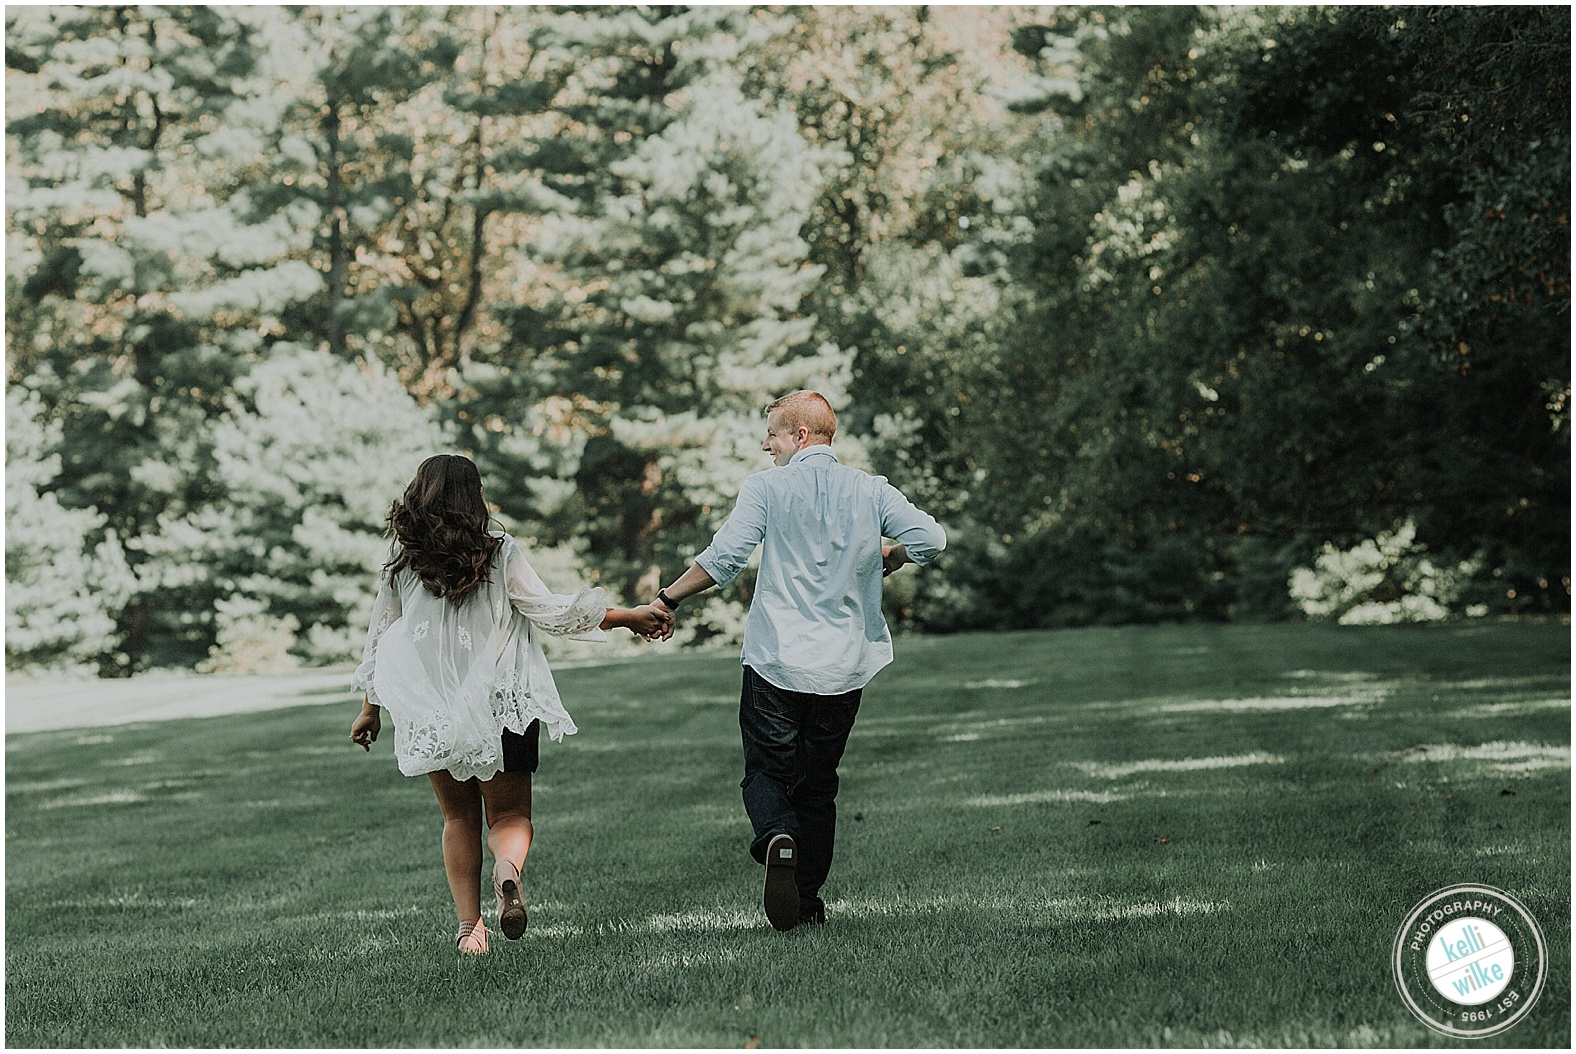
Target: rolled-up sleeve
[(903, 522), (578, 617), (733, 543)]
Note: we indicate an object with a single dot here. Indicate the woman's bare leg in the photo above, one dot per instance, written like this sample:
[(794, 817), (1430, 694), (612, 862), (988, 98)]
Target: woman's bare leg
[(509, 830), (461, 803)]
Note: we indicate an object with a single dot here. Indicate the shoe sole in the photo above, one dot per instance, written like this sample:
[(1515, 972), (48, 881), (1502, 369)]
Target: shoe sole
[(781, 896), (511, 917)]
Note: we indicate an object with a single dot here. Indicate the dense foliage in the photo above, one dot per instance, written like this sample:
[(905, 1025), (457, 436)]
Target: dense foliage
[(1168, 313)]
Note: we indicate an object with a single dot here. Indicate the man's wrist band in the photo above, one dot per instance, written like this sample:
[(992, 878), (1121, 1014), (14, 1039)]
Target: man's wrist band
[(662, 595)]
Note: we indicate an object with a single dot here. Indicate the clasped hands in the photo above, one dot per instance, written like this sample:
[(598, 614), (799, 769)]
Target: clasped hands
[(653, 621)]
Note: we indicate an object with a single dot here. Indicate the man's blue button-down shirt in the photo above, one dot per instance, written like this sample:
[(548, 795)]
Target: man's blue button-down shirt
[(815, 623)]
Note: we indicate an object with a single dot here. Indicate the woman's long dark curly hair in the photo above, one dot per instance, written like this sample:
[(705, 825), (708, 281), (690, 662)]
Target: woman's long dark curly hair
[(441, 526)]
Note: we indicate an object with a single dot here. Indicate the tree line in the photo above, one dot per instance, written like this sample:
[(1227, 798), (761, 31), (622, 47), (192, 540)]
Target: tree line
[(1167, 313)]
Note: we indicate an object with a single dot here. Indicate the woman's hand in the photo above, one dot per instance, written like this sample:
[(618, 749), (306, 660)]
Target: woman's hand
[(892, 558), (651, 621), (365, 728)]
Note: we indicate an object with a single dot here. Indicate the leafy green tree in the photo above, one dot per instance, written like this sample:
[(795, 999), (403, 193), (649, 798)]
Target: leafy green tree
[(1419, 270), (1228, 336), (1059, 485), (1488, 123)]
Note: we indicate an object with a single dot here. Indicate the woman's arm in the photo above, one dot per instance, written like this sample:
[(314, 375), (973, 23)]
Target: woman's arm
[(365, 728), (651, 621), (577, 616), (386, 610)]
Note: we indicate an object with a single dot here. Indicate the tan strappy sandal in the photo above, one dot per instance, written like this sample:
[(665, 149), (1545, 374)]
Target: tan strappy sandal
[(511, 899), (472, 938)]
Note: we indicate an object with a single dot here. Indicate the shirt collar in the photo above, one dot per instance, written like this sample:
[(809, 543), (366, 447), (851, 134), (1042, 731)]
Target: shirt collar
[(812, 451)]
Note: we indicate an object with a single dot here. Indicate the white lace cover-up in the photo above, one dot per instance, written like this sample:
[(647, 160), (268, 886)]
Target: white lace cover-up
[(453, 678)]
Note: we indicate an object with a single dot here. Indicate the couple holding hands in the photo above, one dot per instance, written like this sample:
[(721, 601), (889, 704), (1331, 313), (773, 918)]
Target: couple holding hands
[(454, 655)]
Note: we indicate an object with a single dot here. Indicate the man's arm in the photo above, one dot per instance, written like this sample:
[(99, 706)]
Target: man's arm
[(692, 581), (729, 550), (919, 538)]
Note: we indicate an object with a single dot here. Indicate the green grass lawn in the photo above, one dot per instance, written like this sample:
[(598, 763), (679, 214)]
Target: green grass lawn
[(1147, 836)]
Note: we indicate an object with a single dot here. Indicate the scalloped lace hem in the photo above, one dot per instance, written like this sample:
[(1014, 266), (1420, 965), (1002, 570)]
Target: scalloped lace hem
[(417, 750), (518, 709)]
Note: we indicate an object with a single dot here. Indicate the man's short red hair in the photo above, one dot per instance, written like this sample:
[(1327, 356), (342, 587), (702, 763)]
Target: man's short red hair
[(809, 410)]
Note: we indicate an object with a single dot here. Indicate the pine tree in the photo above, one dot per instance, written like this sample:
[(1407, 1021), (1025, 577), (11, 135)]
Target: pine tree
[(194, 206), (146, 285), (914, 226), (63, 592), (674, 277), (369, 149), (307, 457)]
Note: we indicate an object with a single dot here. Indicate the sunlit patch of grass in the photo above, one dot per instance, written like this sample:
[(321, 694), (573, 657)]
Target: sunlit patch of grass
[(1112, 837), (1035, 797), (1531, 706), (1104, 770), (114, 797), (1495, 759), (1301, 702)]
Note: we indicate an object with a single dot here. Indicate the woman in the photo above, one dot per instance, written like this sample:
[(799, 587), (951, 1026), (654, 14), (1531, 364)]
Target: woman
[(454, 654)]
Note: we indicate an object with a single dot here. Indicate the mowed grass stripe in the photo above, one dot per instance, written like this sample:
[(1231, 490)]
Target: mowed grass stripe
[(1140, 836)]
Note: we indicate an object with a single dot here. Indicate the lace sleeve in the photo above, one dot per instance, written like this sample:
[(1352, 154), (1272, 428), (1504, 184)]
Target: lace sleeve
[(386, 610), (579, 616)]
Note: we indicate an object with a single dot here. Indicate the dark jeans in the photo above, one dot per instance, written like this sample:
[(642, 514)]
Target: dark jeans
[(792, 744)]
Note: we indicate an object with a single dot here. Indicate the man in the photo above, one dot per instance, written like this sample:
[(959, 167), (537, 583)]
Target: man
[(815, 634)]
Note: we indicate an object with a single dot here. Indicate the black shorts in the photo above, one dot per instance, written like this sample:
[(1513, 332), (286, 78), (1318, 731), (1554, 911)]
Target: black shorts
[(520, 753)]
